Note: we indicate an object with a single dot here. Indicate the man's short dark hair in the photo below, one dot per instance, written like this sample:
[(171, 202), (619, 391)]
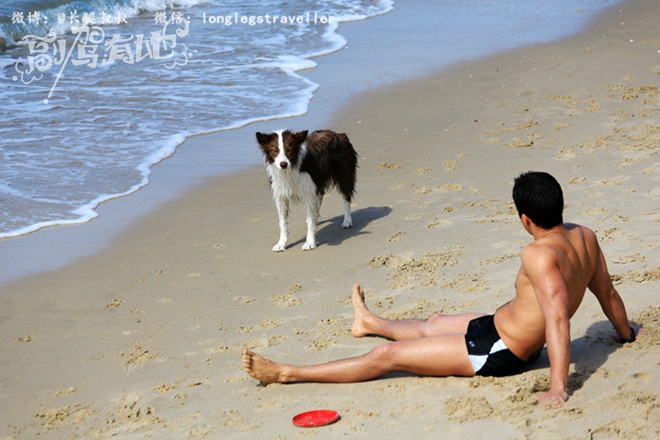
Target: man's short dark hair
[(538, 195)]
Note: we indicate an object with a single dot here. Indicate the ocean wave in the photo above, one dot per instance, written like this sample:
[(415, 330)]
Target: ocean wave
[(67, 166)]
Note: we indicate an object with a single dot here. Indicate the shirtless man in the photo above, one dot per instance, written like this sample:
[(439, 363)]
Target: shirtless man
[(557, 268)]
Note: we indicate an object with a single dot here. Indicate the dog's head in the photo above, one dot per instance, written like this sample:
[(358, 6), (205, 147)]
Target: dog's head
[(282, 148)]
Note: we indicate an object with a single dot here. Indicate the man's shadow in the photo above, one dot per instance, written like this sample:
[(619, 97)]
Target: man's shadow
[(329, 232), (588, 353)]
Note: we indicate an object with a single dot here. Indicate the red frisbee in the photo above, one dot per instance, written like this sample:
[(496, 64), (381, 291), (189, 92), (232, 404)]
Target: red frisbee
[(316, 418)]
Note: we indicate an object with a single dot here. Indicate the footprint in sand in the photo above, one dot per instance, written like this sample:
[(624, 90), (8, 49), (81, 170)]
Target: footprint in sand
[(452, 187), (270, 323), (624, 259), (287, 300), (388, 166), (642, 376), (566, 154), (423, 190), (243, 330), (137, 355), (519, 143), (115, 303), (396, 237), (438, 223), (450, 165), (616, 181), (604, 433), (422, 170), (70, 390)]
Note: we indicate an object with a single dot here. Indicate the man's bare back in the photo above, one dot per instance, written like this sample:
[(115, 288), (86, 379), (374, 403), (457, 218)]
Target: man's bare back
[(569, 252)]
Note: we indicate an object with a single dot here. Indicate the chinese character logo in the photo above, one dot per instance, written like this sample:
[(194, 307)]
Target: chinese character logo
[(91, 48)]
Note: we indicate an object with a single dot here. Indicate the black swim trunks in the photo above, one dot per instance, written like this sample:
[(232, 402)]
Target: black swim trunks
[(488, 353)]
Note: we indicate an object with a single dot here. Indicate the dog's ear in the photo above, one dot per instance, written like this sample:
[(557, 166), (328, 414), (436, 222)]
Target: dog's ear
[(300, 137), (264, 139)]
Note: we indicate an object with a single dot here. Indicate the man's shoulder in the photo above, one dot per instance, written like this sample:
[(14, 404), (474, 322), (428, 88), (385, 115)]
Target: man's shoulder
[(587, 233), (573, 226), (538, 252), (554, 247)]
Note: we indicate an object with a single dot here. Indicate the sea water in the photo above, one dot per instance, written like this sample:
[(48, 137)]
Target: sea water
[(93, 93)]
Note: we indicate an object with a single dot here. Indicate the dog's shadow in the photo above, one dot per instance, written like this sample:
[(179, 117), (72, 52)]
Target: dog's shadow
[(329, 232)]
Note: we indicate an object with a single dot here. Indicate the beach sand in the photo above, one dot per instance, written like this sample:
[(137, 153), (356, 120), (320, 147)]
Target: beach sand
[(143, 339)]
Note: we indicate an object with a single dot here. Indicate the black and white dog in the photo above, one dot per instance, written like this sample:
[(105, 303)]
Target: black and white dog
[(303, 168)]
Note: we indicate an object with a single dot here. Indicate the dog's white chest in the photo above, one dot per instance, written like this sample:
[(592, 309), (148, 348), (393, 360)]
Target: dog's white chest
[(292, 184)]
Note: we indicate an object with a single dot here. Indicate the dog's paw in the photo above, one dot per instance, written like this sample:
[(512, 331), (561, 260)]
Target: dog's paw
[(308, 246), (279, 247), (347, 224)]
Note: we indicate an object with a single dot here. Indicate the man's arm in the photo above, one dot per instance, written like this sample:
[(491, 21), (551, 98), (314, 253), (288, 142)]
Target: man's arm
[(543, 272), (609, 299)]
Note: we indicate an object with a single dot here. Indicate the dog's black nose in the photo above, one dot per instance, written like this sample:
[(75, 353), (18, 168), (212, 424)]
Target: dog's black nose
[(283, 165)]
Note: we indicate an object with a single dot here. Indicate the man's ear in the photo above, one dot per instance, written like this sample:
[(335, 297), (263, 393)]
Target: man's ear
[(526, 221)]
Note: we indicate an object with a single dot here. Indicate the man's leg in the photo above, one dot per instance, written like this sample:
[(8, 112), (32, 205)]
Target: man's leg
[(431, 356), (366, 323)]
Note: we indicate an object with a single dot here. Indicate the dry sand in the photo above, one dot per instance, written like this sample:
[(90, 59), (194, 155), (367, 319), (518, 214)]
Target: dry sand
[(144, 338)]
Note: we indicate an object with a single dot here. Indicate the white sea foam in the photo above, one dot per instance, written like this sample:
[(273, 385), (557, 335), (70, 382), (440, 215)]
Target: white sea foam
[(103, 128), (79, 136)]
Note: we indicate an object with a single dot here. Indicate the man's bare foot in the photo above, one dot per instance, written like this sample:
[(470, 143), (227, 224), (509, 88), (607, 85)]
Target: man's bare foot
[(262, 369), (360, 326)]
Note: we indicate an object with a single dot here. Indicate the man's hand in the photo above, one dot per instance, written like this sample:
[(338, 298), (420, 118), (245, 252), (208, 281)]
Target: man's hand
[(553, 398), (636, 331)]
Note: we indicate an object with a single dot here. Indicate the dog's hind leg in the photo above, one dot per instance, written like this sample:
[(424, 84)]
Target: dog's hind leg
[(346, 185), (313, 212), (348, 220), (282, 204)]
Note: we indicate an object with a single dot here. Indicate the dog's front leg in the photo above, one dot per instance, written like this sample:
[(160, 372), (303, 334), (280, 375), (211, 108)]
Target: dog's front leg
[(282, 204), (313, 210)]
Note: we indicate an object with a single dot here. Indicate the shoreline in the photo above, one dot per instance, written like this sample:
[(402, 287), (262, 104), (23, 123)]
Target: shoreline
[(31, 254), (140, 166), (162, 314)]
